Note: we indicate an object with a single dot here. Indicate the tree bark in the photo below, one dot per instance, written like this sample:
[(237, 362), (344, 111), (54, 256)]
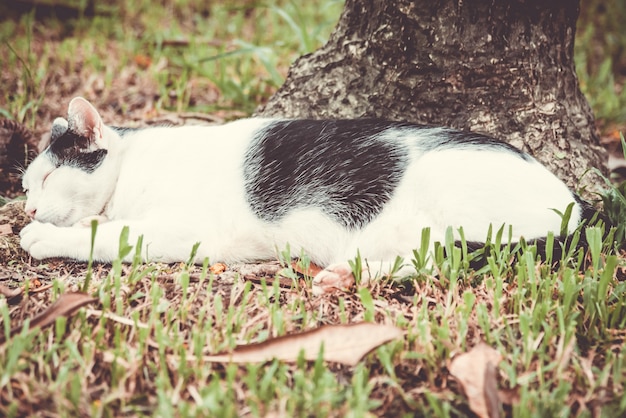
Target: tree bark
[(502, 67)]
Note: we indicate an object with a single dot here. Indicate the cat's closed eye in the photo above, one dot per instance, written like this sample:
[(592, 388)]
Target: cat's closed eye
[(43, 182)]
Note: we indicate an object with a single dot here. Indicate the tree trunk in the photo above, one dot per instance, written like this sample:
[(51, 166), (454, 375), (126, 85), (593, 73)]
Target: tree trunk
[(502, 67)]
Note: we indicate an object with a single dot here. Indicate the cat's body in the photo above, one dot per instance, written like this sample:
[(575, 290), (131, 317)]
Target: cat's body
[(246, 189)]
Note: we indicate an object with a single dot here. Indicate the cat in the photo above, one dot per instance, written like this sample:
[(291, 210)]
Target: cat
[(249, 188)]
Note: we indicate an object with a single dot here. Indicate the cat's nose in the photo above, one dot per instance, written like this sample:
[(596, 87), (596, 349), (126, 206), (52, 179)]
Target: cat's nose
[(31, 213)]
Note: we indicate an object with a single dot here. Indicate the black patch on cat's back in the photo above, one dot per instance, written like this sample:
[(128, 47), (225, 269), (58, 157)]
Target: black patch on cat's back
[(71, 149), (345, 168)]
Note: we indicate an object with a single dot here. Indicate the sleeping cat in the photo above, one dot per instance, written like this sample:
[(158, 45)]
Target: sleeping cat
[(243, 190)]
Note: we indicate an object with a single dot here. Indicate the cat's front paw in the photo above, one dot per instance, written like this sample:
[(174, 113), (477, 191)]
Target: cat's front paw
[(43, 240), (332, 278)]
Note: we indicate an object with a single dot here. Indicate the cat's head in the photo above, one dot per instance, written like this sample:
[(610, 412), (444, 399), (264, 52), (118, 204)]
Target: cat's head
[(73, 177)]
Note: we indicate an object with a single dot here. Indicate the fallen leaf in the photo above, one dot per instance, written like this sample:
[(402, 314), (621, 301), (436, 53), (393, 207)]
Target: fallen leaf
[(311, 271), (142, 61), (476, 372), (6, 229), (10, 293), (346, 344), (65, 305), (217, 268)]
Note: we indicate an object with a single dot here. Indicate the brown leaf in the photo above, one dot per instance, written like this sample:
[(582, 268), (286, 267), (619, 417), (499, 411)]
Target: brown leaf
[(476, 372), (10, 293), (217, 268), (65, 305), (13, 295), (346, 344), (142, 61), (6, 229), (311, 271)]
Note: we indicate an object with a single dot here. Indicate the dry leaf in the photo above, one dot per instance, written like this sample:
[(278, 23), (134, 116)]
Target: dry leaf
[(6, 229), (346, 344), (476, 372), (65, 305), (217, 268), (311, 271), (142, 61), (10, 293)]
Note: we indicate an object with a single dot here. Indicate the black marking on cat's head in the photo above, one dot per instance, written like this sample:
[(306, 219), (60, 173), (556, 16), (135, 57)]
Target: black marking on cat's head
[(73, 150)]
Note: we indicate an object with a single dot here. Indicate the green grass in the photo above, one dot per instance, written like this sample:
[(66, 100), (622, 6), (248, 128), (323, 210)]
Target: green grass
[(238, 52), (560, 331)]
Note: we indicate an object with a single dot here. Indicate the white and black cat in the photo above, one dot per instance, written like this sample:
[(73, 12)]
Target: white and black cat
[(243, 190)]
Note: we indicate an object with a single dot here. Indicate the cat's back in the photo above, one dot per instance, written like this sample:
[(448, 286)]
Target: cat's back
[(351, 169), (353, 143), (201, 161), (192, 137), (187, 154)]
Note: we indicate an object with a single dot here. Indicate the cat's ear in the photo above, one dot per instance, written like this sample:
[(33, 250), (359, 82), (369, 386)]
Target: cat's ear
[(59, 127), (83, 119)]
